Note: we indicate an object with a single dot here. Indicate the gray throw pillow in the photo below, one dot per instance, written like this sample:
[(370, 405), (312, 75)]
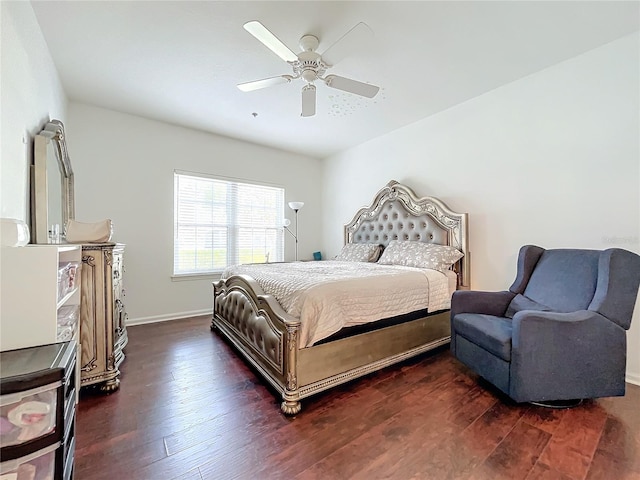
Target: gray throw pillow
[(359, 252), (420, 255)]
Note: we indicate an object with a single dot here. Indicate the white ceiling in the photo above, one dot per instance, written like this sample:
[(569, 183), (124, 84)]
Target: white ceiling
[(180, 62)]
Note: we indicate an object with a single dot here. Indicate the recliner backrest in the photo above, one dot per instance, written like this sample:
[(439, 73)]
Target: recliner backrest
[(617, 289), (528, 257), (564, 280)]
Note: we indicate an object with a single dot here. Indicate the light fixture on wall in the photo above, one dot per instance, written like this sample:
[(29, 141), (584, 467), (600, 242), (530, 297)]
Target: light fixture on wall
[(295, 206)]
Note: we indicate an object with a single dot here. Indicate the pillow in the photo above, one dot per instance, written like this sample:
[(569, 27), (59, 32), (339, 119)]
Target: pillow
[(520, 302), (359, 252), (79, 232), (420, 255)]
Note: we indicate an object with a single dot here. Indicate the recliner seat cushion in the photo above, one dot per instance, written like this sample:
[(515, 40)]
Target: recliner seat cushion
[(487, 331)]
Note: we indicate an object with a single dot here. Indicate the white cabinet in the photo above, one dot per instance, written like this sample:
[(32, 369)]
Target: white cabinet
[(39, 293)]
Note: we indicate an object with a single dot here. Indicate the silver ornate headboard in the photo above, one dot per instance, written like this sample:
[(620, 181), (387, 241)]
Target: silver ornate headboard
[(396, 213)]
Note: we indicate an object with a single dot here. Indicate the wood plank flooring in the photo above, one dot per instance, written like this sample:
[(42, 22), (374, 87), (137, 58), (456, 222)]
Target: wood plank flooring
[(189, 408)]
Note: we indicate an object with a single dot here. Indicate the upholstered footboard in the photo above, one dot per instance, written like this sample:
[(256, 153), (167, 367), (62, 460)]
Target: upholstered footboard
[(262, 331), (268, 338)]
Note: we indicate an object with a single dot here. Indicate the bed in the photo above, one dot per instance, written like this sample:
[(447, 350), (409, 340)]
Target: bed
[(274, 335)]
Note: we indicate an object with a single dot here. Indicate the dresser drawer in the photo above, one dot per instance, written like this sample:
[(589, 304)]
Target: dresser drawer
[(67, 273), (40, 464), (68, 318), (28, 415)]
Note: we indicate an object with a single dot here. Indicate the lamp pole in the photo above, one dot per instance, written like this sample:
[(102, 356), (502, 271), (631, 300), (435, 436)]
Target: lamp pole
[(296, 210), (296, 206)]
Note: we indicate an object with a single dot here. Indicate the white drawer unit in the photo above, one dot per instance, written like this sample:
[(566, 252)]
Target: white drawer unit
[(39, 282)]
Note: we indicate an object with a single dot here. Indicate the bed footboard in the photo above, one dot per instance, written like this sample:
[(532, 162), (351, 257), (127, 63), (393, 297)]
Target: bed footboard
[(262, 331), (268, 338)]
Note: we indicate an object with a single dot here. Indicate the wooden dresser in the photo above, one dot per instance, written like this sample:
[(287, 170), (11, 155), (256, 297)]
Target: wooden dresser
[(103, 318)]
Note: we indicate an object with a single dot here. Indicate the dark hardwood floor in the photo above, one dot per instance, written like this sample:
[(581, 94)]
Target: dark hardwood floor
[(189, 408)]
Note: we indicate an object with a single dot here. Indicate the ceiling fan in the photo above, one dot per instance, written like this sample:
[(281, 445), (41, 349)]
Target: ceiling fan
[(312, 66)]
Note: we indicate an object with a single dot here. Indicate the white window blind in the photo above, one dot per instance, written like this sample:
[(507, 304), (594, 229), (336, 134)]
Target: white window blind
[(220, 222)]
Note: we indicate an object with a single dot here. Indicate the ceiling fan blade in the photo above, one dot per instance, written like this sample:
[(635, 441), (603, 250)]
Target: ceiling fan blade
[(351, 86), (356, 39), (265, 82), (272, 42), (308, 100)]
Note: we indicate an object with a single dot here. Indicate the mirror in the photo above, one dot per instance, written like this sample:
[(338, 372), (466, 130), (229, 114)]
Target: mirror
[(54, 189), (52, 199)]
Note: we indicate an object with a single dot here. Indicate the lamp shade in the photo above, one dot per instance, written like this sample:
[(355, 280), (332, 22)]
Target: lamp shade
[(296, 205), (286, 222)]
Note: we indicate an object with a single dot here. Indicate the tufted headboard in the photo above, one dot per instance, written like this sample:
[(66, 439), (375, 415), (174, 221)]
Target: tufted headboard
[(396, 213)]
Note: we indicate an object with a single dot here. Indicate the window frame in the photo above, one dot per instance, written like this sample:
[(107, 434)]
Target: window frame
[(232, 225)]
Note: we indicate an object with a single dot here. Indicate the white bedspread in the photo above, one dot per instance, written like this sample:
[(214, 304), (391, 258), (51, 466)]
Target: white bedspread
[(328, 296)]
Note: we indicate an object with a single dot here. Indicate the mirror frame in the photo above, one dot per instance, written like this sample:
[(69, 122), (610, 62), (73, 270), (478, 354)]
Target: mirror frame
[(51, 136)]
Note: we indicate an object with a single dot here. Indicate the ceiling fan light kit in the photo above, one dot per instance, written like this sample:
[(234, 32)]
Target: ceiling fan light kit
[(308, 100), (310, 65)]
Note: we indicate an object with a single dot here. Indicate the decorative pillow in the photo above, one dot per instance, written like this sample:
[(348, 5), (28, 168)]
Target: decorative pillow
[(420, 254), (359, 252), (520, 302), (79, 232)]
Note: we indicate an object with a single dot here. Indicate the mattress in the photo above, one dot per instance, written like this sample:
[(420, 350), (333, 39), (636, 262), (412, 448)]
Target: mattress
[(331, 295)]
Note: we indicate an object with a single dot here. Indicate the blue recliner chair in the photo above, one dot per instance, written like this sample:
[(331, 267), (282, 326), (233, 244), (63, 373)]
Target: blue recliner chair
[(558, 333)]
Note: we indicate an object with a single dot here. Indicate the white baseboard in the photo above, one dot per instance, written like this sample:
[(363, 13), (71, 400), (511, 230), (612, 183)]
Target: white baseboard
[(633, 377), (167, 317)]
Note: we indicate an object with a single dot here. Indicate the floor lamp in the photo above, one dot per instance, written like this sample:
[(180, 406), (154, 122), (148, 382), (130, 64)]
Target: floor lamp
[(295, 206)]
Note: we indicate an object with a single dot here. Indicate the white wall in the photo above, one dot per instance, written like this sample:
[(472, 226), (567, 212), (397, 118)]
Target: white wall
[(123, 168), (552, 159), (30, 94)]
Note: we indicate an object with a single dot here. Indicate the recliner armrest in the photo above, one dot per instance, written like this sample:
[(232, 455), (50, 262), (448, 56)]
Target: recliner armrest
[(488, 303), (529, 323), (556, 353), (537, 330)]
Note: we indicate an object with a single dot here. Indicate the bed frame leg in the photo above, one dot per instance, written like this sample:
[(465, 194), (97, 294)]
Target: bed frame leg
[(291, 398), (290, 407)]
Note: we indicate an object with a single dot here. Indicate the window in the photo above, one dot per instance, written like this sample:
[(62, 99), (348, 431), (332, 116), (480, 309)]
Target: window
[(221, 222)]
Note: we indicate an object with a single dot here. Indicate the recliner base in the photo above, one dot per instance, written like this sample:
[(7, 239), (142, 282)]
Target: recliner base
[(558, 404)]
